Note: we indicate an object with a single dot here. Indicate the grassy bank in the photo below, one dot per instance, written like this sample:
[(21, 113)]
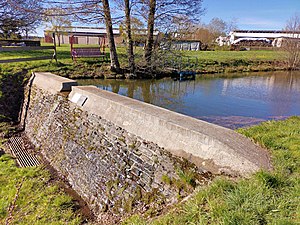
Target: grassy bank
[(29, 196), (65, 67), (208, 61), (264, 198), (234, 61)]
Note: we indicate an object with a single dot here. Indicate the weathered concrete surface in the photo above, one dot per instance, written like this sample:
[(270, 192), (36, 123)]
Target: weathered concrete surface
[(116, 152), (111, 169), (218, 149), (52, 83)]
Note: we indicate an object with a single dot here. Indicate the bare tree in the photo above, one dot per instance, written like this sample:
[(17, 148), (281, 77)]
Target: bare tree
[(291, 44), (232, 25), (150, 30), (217, 27), (15, 20), (94, 11), (137, 28), (115, 65), (83, 11), (204, 35), (162, 12), (10, 28), (131, 63), (58, 21)]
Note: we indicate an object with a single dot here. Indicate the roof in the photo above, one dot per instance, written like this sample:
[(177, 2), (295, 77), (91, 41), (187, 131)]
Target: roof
[(185, 41), (266, 31), (86, 31), (264, 34), (97, 31)]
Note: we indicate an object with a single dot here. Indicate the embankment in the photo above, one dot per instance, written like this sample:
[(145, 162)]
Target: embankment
[(120, 154)]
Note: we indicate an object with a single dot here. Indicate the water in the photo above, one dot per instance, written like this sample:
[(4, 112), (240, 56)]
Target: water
[(236, 101)]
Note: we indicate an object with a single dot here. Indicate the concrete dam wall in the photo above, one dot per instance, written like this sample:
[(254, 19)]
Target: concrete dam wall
[(119, 153)]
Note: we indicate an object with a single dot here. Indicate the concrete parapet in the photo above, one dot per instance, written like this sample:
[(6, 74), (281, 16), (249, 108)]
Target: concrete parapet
[(52, 83), (209, 146)]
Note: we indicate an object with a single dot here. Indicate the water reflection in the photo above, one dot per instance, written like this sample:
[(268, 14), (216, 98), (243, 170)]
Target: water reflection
[(231, 102)]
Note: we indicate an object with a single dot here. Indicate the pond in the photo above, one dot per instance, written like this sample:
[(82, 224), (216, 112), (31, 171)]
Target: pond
[(232, 101)]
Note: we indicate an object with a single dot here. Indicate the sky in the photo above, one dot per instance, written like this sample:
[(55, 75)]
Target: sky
[(248, 14), (252, 14)]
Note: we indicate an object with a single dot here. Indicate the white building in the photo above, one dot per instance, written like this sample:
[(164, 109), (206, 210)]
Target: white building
[(275, 37)]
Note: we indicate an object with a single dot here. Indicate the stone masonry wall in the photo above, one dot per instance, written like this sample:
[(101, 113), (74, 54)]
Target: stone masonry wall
[(113, 170)]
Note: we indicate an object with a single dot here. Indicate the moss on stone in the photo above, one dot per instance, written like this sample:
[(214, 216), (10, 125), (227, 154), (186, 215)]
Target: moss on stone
[(128, 204), (132, 145), (149, 197), (122, 139), (138, 193), (166, 179)]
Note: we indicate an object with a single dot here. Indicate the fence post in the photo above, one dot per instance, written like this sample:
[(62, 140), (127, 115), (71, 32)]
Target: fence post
[(54, 47)]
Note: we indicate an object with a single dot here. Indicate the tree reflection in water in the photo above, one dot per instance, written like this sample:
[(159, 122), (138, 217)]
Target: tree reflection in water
[(235, 101)]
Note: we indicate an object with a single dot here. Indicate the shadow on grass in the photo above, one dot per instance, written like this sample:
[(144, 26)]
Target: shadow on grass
[(11, 95)]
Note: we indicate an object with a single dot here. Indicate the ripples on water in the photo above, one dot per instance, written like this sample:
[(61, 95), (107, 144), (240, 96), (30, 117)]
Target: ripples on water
[(232, 102)]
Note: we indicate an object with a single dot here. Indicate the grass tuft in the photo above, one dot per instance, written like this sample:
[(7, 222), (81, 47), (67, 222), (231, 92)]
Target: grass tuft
[(264, 198), (39, 201)]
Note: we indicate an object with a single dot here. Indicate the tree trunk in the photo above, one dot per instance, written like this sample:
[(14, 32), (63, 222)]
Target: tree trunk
[(114, 62), (150, 30), (131, 63), (58, 38)]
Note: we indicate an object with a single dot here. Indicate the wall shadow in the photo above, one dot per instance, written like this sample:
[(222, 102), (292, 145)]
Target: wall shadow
[(11, 95)]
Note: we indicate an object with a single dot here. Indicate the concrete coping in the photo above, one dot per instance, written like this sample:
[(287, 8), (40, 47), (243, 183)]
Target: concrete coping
[(52, 83), (212, 147)]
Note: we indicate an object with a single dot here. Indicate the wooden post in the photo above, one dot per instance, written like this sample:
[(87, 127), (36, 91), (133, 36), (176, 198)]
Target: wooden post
[(54, 47), (103, 47), (72, 42), (104, 44)]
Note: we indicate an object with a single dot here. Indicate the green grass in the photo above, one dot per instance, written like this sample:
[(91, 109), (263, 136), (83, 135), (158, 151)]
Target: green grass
[(63, 53), (231, 61), (39, 200), (209, 61), (25, 54), (223, 56), (85, 67), (264, 198)]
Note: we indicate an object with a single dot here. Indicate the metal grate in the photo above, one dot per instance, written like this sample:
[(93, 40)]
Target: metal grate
[(23, 156)]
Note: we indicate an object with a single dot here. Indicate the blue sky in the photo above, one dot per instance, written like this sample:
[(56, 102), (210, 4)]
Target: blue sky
[(249, 14), (252, 14)]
